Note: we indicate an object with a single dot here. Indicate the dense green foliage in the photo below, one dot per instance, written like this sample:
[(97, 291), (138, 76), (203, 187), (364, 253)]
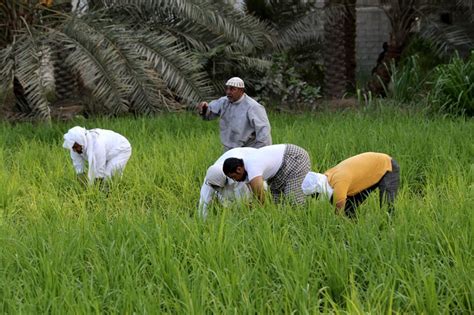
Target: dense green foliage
[(127, 56), (452, 89), (444, 88), (285, 85), (140, 248)]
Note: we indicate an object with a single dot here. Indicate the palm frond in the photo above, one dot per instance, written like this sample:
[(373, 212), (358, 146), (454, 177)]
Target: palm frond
[(306, 29), (445, 39), (234, 26), (468, 5), (147, 91), (7, 63), (28, 71), (204, 18), (99, 64), (177, 66)]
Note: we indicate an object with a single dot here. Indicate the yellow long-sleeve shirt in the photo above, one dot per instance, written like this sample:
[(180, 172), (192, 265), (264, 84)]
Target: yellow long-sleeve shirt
[(357, 173)]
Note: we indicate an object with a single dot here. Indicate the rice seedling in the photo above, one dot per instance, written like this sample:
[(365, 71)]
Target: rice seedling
[(141, 248)]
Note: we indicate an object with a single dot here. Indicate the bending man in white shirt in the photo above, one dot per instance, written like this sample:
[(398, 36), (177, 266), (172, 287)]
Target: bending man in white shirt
[(106, 152), (283, 166), (216, 184)]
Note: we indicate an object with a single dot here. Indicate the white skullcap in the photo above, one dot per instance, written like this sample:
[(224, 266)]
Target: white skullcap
[(316, 183), (74, 135), (215, 176), (235, 82)]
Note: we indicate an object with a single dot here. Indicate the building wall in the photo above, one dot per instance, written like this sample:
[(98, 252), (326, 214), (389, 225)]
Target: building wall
[(373, 29)]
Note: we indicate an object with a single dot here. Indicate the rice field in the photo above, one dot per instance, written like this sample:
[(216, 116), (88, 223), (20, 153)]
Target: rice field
[(141, 248)]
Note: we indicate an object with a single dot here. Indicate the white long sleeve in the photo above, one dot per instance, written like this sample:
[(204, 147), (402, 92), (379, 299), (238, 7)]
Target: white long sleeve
[(97, 161), (207, 193), (106, 153), (77, 162)]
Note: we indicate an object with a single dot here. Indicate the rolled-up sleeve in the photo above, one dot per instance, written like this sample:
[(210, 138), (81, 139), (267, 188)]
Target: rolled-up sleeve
[(259, 120)]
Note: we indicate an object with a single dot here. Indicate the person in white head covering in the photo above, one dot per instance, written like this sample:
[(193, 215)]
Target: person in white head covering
[(317, 184), (243, 121), (217, 185), (350, 182), (106, 152)]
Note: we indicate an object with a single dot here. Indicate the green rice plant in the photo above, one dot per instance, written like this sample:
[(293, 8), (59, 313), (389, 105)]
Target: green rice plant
[(452, 88), (141, 248)]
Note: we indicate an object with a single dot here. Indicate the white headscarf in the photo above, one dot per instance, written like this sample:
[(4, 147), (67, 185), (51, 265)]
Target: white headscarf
[(75, 135), (215, 176), (316, 183)]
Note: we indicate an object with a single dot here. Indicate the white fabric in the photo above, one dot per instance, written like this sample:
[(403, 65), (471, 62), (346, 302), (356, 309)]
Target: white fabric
[(317, 183), (76, 134), (215, 176), (231, 190), (265, 161), (235, 82), (105, 151)]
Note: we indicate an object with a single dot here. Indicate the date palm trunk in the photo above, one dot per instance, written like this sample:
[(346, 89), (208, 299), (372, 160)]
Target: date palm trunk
[(339, 48)]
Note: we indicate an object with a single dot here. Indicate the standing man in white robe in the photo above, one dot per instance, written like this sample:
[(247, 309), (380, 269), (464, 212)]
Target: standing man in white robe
[(106, 152)]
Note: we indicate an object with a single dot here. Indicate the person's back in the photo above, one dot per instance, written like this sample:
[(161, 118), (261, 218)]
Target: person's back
[(105, 151), (358, 173), (283, 166), (112, 142), (265, 161), (235, 152)]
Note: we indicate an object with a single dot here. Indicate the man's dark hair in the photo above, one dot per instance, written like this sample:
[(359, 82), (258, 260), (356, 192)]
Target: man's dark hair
[(231, 164)]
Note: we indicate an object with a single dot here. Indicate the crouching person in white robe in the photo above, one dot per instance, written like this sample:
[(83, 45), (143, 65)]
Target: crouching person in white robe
[(218, 186), (106, 152)]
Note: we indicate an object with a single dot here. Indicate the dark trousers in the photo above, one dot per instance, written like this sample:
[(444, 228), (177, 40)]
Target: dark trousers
[(388, 189)]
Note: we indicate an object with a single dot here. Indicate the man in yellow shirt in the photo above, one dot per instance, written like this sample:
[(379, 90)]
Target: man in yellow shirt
[(350, 182)]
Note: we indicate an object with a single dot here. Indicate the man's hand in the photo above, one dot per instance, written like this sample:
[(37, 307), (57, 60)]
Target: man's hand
[(202, 108), (340, 205)]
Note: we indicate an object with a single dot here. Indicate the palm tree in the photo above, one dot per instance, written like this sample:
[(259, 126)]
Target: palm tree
[(403, 16), (145, 57), (339, 44)]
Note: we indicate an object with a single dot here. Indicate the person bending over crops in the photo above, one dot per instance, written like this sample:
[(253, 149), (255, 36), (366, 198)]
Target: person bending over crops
[(350, 182), (243, 121), (225, 189), (105, 151), (283, 166)]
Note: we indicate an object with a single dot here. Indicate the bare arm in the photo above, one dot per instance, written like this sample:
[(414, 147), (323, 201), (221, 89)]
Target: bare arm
[(257, 187), (340, 207), (340, 196)]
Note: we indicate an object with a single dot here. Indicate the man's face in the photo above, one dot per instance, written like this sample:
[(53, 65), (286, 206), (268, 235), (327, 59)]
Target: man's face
[(77, 148), (239, 175), (233, 93)]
